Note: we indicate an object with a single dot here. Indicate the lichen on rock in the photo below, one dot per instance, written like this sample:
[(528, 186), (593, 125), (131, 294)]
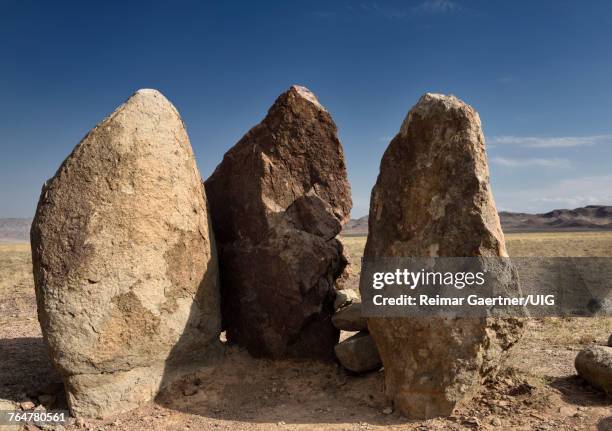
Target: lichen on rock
[(432, 198)]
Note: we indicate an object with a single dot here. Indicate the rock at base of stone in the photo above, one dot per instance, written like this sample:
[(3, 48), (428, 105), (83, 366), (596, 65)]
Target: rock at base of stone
[(594, 364), (358, 353), (345, 297), (350, 318), (610, 341)]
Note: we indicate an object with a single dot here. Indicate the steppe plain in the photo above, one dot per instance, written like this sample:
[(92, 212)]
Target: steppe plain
[(537, 389)]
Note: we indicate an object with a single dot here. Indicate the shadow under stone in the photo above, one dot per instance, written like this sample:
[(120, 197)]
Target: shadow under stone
[(577, 391), (26, 371), (238, 387)]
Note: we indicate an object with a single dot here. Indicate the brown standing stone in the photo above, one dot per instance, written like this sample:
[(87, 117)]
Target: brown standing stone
[(124, 260), (432, 198), (278, 199)]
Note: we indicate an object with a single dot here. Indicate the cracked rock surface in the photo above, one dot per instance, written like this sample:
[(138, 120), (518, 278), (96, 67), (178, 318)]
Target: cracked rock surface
[(433, 198), (278, 200)]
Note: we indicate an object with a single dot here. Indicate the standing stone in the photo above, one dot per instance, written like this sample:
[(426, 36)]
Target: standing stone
[(278, 199), (432, 198), (124, 260)]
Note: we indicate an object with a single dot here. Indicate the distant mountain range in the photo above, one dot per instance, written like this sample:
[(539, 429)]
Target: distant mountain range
[(592, 217), (589, 217), (15, 229)]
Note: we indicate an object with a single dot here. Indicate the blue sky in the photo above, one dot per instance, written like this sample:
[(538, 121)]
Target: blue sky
[(539, 73)]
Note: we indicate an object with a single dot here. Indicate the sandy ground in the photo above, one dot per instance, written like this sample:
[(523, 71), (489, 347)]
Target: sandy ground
[(536, 390)]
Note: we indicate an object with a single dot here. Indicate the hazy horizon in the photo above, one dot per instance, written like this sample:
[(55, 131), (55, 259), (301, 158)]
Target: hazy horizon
[(355, 217)]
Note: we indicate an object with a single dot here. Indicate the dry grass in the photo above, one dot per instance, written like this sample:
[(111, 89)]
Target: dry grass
[(321, 396), (548, 244), (560, 244), (16, 283)]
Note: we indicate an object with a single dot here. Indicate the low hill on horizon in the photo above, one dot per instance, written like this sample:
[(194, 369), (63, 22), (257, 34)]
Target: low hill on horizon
[(591, 217), (15, 229)]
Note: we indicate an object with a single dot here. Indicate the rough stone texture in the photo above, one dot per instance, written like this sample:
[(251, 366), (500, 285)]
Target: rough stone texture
[(278, 199), (358, 353), (594, 364), (432, 198), (124, 260), (349, 318)]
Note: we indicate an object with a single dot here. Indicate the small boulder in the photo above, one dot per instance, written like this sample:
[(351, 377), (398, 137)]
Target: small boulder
[(358, 353), (345, 297), (27, 405), (349, 318), (594, 364)]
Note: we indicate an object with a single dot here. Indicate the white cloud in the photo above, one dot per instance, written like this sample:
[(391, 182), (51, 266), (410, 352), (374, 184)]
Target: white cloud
[(569, 193), (375, 9), (520, 163), (438, 6), (558, 142)]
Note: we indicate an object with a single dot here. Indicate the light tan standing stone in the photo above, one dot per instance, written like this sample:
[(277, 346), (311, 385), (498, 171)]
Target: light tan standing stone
[(432, 198), (124, 260)]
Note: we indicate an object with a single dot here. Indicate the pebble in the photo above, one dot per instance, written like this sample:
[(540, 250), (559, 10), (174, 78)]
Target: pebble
[(387, 411), (27, 405), (472, 421)]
